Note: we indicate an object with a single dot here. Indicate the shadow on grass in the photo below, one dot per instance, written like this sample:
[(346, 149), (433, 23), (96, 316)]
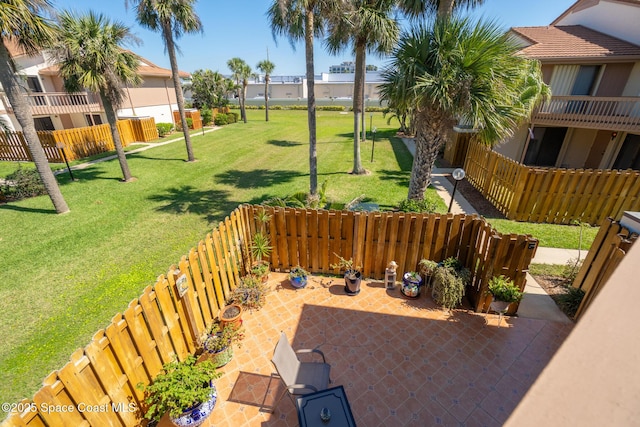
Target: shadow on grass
[(403, 156), (144, 155), (211, 204), (257, 178), (12, 207), (399, 177), (282, 143)]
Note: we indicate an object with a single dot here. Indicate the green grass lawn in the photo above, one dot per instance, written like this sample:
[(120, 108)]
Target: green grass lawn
[(65, 276)]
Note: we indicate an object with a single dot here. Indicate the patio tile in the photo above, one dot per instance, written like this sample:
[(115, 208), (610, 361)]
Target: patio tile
[(402, 362)]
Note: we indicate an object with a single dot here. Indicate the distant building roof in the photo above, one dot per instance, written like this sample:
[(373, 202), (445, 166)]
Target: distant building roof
[(573, 42), (145, 68)]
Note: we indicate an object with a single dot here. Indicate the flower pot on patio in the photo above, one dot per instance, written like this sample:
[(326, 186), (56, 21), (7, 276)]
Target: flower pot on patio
[(298, 277), (197, 415), (411, 283), (231, 315), (352, 281)]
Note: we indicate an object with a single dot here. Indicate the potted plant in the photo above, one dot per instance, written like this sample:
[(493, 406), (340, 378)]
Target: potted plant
[(261, 247), (411, 282), (298, 277), (504, 292), (218, 342), (352, 275), (260, 269), (231, 314), (427, 267), (250, 293), (185, 390), (449, 282)]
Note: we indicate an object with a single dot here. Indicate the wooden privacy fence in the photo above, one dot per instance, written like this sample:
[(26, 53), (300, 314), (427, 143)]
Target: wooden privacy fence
[(193, 114), (611, 244), (551, 195), (163, 323), (78, 142)]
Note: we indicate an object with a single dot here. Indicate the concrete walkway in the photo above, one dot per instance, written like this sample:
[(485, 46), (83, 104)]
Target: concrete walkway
[(536, 303)]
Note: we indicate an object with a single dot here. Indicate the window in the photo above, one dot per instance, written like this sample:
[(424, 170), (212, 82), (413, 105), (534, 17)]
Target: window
[(93, 119), (43, 123), (544, 147), (629, 155)]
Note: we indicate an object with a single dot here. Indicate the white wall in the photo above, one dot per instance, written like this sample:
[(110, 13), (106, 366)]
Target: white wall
[(160, 113)]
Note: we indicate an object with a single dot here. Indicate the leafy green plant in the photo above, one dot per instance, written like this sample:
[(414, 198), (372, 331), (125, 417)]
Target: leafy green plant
[(232, 117), (413, 276), (422, 206), (298, 272), (570, 301), (427, 267), (180, 386), (22, 184), (207, 116), (218, 338), (503, 289), (220, 119), (164, 128), (448, 287), (260, 246), (251, 293), (260, 269), (346, 265), (571, 269)]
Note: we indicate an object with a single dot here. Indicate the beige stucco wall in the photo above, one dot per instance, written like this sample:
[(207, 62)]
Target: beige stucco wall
[(576, 147), (594, 378), (151, 92), (633, 84), (513, 147)]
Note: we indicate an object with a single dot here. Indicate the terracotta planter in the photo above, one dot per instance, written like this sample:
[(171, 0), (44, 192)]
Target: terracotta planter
[(231, 315)]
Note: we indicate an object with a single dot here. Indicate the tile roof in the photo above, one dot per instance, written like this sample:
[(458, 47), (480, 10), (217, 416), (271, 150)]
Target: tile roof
[(145, 68), (573, 42)]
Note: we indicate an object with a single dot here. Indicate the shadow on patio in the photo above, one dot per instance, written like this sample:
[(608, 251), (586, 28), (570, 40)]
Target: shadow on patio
[(402, 362)]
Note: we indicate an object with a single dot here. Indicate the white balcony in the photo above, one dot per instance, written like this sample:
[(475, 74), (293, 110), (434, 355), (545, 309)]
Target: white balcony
[(47, 103)]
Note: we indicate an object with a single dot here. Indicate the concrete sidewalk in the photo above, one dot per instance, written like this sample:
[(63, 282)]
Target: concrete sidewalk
[(536, 303)]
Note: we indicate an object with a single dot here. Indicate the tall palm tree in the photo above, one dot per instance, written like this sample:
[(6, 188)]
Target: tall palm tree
[(442, 8), (366, 26), (454, 70), (240, 73), (303, 20), (90, 54), (22, 23), (267, 68), (172, 18)]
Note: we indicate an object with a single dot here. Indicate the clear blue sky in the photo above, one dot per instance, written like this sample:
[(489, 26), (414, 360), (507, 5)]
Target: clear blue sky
[(240, 28)]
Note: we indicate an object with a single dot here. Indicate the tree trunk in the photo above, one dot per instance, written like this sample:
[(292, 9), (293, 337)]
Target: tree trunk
[(12, 84), (115, 134), (430, 129), (171, 50), (445, 8), (266, 98), (358, 101), (311, 104), (244, 99)]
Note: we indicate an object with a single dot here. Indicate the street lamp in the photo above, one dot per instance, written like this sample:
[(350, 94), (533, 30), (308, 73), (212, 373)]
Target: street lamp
[(373, 141), (458, 174)]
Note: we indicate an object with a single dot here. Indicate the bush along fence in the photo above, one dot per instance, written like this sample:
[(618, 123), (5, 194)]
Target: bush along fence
[(551, 195), (78, 143), (611, 244), (166, 320)]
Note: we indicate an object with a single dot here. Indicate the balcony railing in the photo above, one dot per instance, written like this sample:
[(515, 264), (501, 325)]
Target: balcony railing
[(614, 113), (45, 103)]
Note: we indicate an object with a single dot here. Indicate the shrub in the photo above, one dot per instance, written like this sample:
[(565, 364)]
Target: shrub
[(22, 183), (503, 289), (423, 206), (299, 107), (221, 119), (164, 128), (276, 107), (207, 116), (571, 270), (329, 108), (375, 109), (570, 301), (189, 122), (232, 117), (448, 288)]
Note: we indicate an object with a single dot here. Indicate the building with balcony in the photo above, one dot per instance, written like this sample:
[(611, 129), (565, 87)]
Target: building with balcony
[(590, 58), (53, 109)]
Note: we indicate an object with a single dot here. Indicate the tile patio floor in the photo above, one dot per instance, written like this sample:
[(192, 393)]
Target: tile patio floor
[(402, 362)]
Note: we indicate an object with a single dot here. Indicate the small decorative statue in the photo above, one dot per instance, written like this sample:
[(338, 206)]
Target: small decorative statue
[(390, 275)]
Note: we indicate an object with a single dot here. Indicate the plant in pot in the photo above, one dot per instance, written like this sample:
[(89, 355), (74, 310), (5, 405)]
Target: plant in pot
[(185, 390), (427, 267), (218, 342), (261, 247), (449, 282), (411, 282), (250, 293), (352, 275), (231, 314), (504, 292), (298, 277)]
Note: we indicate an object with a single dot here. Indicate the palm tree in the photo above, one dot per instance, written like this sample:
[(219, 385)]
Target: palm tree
[(172, 18), (267, 68), (90, 55), (22, 23), (367, 26), (455, 70), (442, 8), (241, 72), (303, 20)]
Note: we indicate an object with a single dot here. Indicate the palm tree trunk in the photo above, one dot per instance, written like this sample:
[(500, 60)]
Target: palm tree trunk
[(428, 140), (171, 50), (115, 134), (311, 104), (11, 84), (244, 99), (266, 98), (358, 101), (445, 8)]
